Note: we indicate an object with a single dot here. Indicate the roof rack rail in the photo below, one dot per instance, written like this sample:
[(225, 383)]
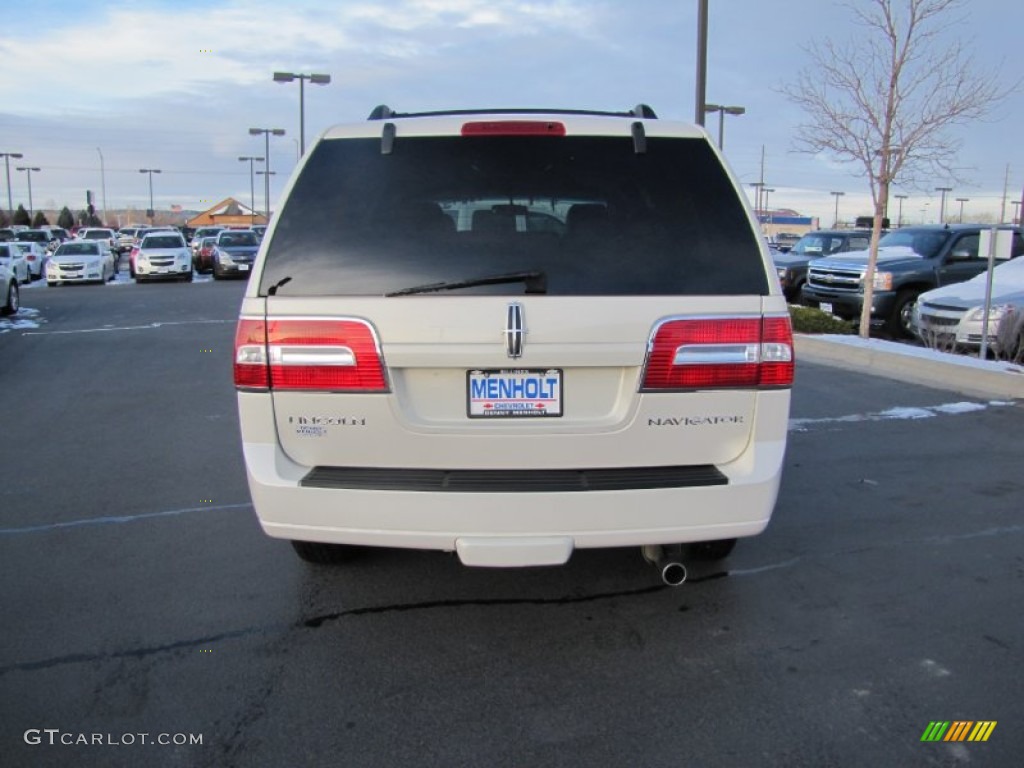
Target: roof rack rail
[(384, 112)]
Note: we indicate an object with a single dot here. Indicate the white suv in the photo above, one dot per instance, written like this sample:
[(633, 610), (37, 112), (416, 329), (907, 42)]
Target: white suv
[(510, 335)]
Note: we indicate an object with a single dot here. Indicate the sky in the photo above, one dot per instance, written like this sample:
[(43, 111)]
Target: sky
[(91, 92)]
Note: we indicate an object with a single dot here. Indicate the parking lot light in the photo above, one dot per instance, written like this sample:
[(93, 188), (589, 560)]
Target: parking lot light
[(288, 77), (942, 205), (267, 174), (267, 132), (28, 170), (252, 186), (7, 164), (722, 112), (151, 212), (837, 195)]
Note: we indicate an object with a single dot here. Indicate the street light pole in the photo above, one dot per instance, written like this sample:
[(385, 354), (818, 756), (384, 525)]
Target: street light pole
[(103, 185), (767, 210), (899, 211), (837, 195), (722, 112), (252, 186), (942, 209), (266, 134), (7, 164), (151, 212), (28, 170), (702, 59), (287, 77), (962, 200), (758, 186), (267, 174)]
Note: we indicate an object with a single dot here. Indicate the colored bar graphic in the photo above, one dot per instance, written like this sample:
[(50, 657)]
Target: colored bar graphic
[(958, 730), (982, 730)]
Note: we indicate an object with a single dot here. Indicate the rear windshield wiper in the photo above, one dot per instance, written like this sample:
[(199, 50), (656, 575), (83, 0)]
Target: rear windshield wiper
[(536, 282)]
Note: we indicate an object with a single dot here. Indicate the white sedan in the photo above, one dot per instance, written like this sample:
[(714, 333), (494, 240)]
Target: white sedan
[(80, 261), (954, 315), (36, 256), (14, 259), (163, 255)]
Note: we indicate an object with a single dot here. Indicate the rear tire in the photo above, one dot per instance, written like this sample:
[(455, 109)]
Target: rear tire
[(10, 307), (712, 550), (324, 554)]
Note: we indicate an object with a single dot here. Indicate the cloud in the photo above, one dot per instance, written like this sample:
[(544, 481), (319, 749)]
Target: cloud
[(128, 52)]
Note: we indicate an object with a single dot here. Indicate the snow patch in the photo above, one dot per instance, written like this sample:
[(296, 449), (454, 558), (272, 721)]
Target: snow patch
[(907, 413), (960, 407), (904, 413), (27, 318), (934, 668)]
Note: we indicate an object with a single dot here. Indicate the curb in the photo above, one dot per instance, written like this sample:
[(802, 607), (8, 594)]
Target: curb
[(915, 365)]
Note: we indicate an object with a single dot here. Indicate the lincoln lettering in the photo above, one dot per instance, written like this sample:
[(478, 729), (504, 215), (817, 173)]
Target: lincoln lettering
[(514, 389), (328, 421)]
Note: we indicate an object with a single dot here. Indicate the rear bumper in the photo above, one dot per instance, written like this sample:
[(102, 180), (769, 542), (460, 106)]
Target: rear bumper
[(510, 527)]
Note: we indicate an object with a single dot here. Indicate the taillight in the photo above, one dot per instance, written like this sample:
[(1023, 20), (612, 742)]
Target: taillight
[(777, 352), (513, 128), (251, 370), (720, 353), (308, 354)]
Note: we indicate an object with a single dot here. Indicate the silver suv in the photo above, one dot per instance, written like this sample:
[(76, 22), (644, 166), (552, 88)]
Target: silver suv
[(512, 334)]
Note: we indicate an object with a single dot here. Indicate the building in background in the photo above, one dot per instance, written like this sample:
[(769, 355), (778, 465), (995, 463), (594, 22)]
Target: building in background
[(227, 213)]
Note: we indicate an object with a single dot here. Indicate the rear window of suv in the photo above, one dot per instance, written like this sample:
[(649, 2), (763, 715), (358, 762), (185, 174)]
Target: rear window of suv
[(588, 213)]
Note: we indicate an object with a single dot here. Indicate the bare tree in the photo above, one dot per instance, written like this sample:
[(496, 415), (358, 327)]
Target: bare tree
[(888, 99)]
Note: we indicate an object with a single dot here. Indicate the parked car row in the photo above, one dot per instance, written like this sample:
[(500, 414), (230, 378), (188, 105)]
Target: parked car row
[(826, 269), (93, 256)]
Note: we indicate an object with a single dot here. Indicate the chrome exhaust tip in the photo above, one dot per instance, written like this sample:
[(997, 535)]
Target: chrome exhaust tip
[(673, 573)]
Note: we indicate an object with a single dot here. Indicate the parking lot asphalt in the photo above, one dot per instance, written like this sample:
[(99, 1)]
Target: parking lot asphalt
[(142, 598)]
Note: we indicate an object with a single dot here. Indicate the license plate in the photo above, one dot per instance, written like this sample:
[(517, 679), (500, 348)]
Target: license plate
[(243, 267), (825, 306), (513, 393)]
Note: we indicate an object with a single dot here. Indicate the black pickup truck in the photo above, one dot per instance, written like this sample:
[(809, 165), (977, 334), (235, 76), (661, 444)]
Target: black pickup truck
[(792, 264), (911, 260)]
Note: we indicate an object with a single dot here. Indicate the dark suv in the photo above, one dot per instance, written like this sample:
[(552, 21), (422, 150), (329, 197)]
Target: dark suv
[(911, 260), (792, 264)]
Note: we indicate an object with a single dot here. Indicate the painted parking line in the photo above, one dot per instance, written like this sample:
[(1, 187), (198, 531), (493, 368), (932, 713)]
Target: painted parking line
[(119, 519), (146, 327)]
